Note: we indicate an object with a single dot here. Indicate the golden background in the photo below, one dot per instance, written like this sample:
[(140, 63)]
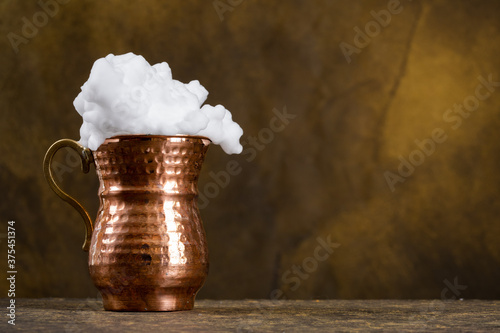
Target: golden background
[(318, 177)]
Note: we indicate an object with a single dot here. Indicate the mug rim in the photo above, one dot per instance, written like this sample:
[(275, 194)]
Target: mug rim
[(120, 137)]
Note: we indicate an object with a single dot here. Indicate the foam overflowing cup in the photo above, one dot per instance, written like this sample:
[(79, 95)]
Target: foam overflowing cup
[(125, 95)]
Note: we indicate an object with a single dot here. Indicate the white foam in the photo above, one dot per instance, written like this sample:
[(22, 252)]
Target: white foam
[(126, 95)]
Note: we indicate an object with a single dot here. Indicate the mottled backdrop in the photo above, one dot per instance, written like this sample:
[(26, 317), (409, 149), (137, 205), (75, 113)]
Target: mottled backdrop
[(371, 162)]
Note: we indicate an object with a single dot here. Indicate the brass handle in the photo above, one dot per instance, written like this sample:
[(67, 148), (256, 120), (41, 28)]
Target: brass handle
[(87, 159)]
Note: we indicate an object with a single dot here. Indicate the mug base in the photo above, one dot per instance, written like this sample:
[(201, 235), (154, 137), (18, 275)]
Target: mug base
[(172, 302)]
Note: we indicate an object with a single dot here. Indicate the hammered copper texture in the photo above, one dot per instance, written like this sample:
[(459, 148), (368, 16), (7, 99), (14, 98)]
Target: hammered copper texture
[(148, 249)]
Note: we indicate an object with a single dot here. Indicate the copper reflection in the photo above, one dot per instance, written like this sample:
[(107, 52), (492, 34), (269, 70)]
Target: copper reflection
[(148, 250)]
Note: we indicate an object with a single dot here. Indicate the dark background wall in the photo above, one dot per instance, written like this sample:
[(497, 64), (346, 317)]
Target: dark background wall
[(322, 178)]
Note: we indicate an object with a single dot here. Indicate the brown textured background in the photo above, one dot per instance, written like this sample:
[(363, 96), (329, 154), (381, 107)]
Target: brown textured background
[(322, 175)]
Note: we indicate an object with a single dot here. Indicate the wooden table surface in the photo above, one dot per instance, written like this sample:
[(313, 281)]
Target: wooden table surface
[(87, 315)]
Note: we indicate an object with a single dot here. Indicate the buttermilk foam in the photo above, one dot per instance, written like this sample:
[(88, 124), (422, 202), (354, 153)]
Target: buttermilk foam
[(126, 95)]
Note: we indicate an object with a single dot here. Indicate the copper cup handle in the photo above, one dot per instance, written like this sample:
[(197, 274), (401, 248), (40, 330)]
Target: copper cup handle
[(87, 159)]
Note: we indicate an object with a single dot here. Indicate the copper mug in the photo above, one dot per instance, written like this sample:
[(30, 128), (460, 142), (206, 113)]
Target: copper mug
[(147, 246)]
